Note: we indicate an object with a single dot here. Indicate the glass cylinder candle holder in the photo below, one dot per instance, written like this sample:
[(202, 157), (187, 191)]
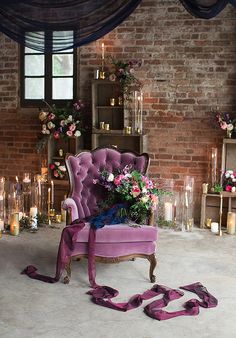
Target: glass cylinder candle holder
[(2, 202), (231, 218), (213, 166), (138, 111), (188, 220), (112, 101), (26, 187)]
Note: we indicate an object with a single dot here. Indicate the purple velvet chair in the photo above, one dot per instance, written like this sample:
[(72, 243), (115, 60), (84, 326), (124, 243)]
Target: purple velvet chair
[(114, 243)]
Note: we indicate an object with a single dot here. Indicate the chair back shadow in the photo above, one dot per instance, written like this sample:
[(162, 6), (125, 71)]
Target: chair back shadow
[(114, 243)]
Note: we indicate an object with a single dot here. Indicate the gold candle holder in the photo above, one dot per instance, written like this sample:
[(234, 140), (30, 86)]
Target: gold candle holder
[(102, 75), (208, 223), (58, 218), (120, 100), (102, 125), (127, 130), (60, 152), (14, 224), (106, 126), (112, 101)]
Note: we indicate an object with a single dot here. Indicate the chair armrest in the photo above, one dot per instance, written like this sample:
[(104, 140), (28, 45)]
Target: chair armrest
[(70, 205)]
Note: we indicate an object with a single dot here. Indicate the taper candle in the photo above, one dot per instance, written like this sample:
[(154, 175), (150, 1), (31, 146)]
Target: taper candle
[(52, 186), (49, 195)]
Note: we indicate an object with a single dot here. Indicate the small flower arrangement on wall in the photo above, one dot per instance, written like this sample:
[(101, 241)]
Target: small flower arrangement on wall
[(58, 170), (124, 72), (226, 123), (229, 181), (60, 123)]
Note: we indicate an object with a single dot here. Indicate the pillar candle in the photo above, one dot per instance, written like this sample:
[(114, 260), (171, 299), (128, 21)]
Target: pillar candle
[(33, 211), (214, 227), (1, 224), (168, 211), (231, 223)]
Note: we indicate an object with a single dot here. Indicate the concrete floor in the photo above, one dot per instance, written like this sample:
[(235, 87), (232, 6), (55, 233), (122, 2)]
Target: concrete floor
[(30, 308)]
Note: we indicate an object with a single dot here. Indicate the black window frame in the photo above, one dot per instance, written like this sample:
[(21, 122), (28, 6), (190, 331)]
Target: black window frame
[(48, 77)]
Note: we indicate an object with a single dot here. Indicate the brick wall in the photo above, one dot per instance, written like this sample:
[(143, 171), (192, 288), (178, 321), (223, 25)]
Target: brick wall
[(188, 67)]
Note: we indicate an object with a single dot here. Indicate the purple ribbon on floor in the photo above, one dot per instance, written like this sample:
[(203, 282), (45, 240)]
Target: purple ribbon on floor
[(102, 295)]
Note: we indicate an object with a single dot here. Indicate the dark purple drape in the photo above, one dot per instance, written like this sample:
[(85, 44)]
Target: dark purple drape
[(206, 9), (89, 19)]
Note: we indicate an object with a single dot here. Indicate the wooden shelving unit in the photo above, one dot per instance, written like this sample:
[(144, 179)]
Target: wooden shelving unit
[(115, 116)]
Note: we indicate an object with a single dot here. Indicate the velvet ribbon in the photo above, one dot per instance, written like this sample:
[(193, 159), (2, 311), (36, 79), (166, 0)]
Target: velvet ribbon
[(102, 295)]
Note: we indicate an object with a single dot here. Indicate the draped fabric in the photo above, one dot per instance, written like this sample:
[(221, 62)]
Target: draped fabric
[(84, 20), (88, 19), (206, 9)]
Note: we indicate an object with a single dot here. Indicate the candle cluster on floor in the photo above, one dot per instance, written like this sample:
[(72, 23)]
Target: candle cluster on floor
[(26, 203)]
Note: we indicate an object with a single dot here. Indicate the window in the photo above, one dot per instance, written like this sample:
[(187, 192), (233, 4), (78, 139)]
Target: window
[(50, 76)]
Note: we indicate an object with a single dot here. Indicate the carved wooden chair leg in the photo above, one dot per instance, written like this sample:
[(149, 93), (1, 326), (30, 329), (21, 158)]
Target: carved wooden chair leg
[(68, 272), (153, 262)]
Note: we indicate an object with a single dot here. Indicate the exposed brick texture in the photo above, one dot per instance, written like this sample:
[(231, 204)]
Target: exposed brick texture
[(188, 67)]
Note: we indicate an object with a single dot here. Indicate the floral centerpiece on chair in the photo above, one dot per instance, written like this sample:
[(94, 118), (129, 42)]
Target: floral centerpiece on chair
[(226, 122), (137, 191)]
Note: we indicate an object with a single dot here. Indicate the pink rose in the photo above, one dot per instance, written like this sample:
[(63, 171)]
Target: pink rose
[(55, 173), (52, 166), (69, 133), (228, 188), (72, 127), (118, 179), (223, 125)]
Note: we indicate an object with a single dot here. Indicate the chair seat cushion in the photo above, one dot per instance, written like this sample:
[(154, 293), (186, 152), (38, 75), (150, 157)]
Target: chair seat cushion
[(120, 233)]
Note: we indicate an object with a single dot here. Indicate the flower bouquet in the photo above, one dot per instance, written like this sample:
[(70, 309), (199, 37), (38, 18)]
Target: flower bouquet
[(124, 73), (60, 123), (229, 181), (137, 191), (58, 170), (226, 123)]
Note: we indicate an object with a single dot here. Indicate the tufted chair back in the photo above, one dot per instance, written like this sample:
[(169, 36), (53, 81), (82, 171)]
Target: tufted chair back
[(86, 166)]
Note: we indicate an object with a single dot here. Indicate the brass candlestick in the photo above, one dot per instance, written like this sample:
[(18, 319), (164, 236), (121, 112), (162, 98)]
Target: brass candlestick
[(221, 210)]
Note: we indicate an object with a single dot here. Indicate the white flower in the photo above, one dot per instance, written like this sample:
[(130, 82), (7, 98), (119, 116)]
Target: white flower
[(234, 180), (110, 178), (50, 125), (232, 176), (62, 168), (230, 126), (144, 199), (57, 163), (69, 119), (77, 133)]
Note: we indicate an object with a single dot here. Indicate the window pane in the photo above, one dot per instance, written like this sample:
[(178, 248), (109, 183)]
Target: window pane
[(63, 39), (34, 65), (34, 88), (62, 64), (62, 89), (34, 39)]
